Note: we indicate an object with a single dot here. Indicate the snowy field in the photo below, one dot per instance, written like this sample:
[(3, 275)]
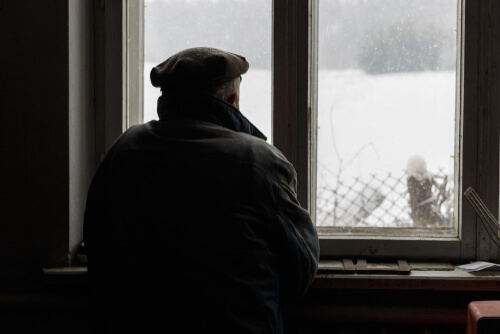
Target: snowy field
[(367, 124)]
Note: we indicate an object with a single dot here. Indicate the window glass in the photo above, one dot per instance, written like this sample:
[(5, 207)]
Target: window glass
[(386, 114), (238, 26)]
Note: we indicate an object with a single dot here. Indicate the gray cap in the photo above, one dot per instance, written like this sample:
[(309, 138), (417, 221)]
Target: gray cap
[(198, 68)]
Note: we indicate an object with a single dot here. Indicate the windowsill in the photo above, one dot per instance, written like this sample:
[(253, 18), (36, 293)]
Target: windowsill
[(421, 279), (444, 280), (427, 297), (65, 271), (75, 276)]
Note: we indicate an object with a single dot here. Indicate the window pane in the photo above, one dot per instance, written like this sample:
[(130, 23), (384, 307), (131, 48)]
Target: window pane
[(386, 114), (238, 26)]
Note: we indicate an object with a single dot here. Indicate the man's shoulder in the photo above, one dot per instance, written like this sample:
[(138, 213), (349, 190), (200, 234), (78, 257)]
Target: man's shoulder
[(138, 129), (263, 155), (135, 133)]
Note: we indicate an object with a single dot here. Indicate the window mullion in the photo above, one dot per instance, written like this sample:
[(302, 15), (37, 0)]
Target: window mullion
[(292, 89)]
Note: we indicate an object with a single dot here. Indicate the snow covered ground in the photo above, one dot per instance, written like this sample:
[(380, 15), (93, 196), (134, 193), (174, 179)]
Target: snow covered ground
[(375, 123), (367, 124)]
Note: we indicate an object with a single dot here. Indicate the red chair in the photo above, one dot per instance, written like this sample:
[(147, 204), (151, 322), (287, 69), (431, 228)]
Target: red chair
[(483, 317)]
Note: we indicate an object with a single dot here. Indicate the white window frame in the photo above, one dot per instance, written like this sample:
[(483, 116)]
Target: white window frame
[(294, 104)]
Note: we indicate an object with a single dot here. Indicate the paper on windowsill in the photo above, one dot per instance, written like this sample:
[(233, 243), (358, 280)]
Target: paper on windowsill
[(478, 266)]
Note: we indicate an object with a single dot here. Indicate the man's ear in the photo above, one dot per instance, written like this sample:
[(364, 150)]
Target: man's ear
[(233, 99)]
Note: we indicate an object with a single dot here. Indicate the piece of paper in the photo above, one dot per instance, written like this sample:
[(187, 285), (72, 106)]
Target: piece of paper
[(478, 266)]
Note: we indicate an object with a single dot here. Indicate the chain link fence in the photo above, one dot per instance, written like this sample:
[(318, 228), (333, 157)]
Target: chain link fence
[(386, 200)]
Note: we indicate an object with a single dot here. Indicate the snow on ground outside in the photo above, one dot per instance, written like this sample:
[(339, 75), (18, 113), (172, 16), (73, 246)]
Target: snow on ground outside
[(376, 123)]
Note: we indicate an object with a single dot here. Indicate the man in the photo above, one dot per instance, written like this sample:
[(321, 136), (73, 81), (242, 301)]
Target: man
[(192, 223)]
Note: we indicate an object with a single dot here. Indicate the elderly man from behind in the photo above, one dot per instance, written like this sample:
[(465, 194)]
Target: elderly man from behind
[(192, 224)]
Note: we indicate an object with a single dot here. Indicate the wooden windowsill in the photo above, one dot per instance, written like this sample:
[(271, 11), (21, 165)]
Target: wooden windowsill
[(418, 279), (444, 280), (64, 276)]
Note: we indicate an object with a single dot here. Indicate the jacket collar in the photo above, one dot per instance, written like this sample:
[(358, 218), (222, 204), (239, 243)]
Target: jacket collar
[(207, 108)]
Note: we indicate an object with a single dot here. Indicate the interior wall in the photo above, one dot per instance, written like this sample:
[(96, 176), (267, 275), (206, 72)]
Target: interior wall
[(40, 117)]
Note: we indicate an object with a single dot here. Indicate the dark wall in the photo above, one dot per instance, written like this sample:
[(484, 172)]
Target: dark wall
[(36, 165)]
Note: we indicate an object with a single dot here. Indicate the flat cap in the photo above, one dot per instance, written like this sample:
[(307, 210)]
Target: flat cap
[(198, 68)]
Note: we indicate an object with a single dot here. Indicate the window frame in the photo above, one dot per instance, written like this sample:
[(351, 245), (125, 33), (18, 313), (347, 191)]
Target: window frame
[(294, 130), (294, 103), (119, 66)]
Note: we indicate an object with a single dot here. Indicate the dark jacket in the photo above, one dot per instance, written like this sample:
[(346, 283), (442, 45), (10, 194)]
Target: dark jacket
[(192, 224)]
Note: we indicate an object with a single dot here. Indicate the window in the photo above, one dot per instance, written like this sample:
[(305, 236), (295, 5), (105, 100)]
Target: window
[(304, 38), (386, 116), (299, 33)]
